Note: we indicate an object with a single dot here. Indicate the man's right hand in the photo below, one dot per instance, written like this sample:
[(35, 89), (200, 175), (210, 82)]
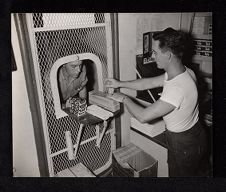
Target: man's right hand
[(68, 104), (112, 83)]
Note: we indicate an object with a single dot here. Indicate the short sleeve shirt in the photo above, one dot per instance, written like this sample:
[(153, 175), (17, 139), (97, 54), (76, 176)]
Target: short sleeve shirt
[(181, 91)]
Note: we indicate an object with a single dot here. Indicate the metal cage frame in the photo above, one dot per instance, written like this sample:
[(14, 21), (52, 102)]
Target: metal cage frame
[(37, 81)]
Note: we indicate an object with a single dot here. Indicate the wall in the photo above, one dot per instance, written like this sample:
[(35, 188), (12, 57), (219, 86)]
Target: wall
[(127, 52), (24, 150), (205, 64)]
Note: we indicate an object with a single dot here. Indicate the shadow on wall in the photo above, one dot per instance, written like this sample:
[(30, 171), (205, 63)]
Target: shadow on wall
[(187, 61), (205, 101)]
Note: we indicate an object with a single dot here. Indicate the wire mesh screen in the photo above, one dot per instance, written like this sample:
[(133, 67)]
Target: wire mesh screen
[(90, 155), (52, 45), (67, 19)]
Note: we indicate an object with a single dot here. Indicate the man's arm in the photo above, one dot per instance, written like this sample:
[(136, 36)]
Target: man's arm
[(83, 89), (83, 93), (139, 84), (144, 115), (62, 85)]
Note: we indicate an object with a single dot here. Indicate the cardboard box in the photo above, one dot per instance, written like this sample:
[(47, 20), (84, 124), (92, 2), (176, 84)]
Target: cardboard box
[(131, 161)]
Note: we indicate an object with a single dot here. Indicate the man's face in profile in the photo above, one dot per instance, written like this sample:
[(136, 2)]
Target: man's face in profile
[(73, 68)]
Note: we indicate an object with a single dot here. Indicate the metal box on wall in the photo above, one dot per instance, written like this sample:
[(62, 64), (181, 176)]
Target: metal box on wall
[(146, 71)]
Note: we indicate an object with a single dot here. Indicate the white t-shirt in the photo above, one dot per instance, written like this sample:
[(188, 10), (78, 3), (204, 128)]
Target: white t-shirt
[(181, 91)]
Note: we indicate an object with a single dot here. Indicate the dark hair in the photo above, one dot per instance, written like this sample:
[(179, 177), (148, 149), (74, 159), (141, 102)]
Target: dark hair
[(171, 40)]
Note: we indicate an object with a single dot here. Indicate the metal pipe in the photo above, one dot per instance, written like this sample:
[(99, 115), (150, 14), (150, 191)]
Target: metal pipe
[(116, 71)]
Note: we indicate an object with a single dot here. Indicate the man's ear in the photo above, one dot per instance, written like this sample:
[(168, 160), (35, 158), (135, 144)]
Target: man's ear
[(169, 54)]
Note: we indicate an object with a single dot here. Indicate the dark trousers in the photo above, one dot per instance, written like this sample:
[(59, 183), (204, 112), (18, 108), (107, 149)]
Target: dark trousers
[(187, 152)]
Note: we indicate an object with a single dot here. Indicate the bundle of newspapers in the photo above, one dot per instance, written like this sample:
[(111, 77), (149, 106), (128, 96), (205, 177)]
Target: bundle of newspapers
[(77, 106)]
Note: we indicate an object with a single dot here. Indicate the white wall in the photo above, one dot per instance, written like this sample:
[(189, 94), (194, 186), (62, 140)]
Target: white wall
[(127, 55), (24, 150)]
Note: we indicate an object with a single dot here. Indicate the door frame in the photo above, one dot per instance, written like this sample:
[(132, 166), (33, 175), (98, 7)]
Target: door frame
[(22, 31)]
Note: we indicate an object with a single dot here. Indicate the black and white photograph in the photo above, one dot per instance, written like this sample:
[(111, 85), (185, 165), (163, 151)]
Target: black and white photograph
[(112, 94)]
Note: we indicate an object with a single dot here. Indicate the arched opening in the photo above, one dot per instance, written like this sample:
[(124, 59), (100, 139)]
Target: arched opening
[(94, 75)]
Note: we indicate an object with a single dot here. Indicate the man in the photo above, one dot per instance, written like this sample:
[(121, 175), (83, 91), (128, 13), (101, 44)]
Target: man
[(178, 104), (72, 80)]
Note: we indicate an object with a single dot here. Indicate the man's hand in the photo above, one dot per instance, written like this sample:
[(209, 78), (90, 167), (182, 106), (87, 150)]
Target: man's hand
[(112, 83), (118, 97), (68, 104)]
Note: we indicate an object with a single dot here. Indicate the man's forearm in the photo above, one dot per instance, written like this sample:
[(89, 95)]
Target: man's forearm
[(134, 109), (83, 93), (134, 84), (144, 83)]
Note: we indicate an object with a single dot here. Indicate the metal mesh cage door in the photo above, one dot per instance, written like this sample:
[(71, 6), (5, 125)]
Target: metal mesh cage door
[(53, 36)]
